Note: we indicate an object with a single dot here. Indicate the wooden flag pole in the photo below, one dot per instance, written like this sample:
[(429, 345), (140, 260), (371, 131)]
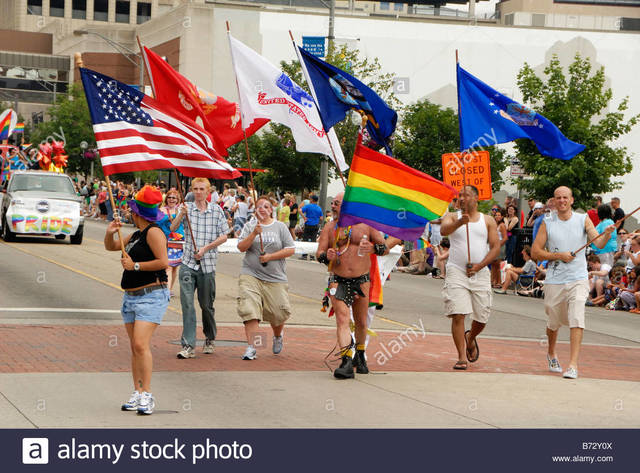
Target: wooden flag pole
[(116, 214), (246, 145), (464, 184), (326, 134), (179, 183)]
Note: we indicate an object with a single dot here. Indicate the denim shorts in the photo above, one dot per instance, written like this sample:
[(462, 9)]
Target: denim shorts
[(149, 307)]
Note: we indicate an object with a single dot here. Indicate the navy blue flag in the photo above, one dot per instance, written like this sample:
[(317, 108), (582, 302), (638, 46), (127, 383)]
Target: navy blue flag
[(487, 117), (338, 92)]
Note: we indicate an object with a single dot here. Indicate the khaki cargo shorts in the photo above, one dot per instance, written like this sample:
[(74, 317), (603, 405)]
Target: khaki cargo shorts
[(261, 300), (564, 304), (463, 295)]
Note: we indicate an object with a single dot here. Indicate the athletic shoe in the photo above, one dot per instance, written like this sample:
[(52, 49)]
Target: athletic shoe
[(146, 404), (345, 371), (186, 352), (278, 343), (571, 373), (250, 353), (554, 365), (132, 403), (360, 362), (208, 347), (499, 291)]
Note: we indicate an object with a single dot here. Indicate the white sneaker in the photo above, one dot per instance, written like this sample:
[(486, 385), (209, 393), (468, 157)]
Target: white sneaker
[(186, 352), (146, 404), (571, 373), (132, 403), (250, 353), (208, 347), (278, 343), (554, 365)]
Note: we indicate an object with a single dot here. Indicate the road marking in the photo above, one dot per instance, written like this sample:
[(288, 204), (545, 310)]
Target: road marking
[(62, 265), (58, 309)]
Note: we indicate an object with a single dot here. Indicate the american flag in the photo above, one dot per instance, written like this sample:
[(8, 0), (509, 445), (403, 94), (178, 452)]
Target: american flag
[(134, 132)]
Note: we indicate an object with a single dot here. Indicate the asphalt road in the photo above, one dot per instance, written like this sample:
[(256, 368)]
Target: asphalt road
[(49, 281)]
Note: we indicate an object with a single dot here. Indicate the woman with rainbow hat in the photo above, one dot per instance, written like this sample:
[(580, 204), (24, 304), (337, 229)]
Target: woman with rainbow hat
[(144, 281)]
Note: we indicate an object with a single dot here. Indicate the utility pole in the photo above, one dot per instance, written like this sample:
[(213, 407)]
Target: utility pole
[(324, 163)]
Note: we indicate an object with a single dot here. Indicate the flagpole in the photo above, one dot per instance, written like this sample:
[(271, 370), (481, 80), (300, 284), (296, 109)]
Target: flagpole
[(464, 170), (175, 170), (80, 64), (617, 224), (246, 142), (315, 98)]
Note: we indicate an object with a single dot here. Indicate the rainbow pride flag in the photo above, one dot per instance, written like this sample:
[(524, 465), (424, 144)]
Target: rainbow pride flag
[(8, 121), (421, 243), (19, 128), (391, 196)]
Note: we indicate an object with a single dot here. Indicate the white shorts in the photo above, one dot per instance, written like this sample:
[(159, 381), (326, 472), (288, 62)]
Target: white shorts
[(564, 304), (464, 295)]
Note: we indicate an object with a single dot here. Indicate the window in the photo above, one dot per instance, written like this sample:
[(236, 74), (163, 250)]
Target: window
[(144, 12), (398, 6), (56, 8), (508, 19), (34, 7), (101, 10), (384, 5), (122, 11), (79, 9)]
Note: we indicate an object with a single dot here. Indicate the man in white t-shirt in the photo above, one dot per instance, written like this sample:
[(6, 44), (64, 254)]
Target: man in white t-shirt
[(240, 214), (598, 275)]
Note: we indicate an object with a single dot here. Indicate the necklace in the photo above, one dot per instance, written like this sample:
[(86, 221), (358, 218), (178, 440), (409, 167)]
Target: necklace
[(347, 236)]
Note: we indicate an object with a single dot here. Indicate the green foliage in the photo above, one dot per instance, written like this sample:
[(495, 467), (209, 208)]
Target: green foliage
[(274, 148), (578, 105), (70, 121), (427, 131)]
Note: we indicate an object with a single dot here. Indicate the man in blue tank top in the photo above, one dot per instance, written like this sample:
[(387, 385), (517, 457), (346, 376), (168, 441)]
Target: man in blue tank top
[(566, 285)]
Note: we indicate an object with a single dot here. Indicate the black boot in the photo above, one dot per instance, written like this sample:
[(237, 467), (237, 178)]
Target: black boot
[(360, 363), (345, 371)]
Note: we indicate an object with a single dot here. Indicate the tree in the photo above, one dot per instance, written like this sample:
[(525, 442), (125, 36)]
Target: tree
[(274, 148), (71, 123), (578, 105), (427, 131)]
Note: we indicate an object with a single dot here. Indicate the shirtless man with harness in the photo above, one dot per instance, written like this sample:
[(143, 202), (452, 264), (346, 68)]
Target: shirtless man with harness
[(346, 251)]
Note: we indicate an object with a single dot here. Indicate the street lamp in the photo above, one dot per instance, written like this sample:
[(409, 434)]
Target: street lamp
[(122, 49)]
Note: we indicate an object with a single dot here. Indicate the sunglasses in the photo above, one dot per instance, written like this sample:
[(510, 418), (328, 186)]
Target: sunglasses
[(336, 202)]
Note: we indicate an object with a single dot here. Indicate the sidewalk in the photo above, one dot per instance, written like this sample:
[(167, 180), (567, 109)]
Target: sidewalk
[(77, 375)]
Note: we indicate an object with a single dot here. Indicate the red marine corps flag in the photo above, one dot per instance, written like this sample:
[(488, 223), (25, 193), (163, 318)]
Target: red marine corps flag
[(219, 117), (134, 132)]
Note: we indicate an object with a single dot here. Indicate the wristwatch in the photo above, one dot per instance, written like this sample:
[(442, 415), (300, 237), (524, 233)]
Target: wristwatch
[(136, 266)]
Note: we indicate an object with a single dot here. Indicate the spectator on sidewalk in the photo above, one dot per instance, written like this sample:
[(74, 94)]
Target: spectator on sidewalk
[(593, 211), (598, 276), (263, 290), (496, 280), (512, 274), (442, 256), (606, 254), (618, 213), (511, 221), (146, 296), (198, 268)]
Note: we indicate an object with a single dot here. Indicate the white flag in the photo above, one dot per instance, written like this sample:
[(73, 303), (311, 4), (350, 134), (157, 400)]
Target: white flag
[(267, 92)]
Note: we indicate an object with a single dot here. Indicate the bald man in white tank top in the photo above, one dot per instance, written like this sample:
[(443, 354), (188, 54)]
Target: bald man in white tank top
[(467, 285)]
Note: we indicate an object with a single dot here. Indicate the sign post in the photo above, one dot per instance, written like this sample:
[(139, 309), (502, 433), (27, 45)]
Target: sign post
[(477, 168)]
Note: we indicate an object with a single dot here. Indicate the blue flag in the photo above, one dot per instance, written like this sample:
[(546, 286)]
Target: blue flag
[(487, 117), (338, 92)]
